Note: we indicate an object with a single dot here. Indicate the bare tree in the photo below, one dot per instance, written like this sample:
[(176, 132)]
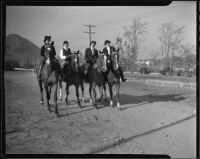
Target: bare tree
[(119, 44), (134, 34), (187, 49), (170, 40), (188, 54)]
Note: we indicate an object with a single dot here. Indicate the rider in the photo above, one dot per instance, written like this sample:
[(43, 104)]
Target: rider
[(108, 50), (46, 40), (91, 55), (65, 55)]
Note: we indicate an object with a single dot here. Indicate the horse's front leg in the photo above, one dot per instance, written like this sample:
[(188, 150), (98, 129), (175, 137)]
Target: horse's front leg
[(60, 90), (47, 97), (41, 91), (90, 91), (105, 97), (49, 89), (82, 90), (101, 92), (55, 99), (111, 95), (66, 94), (77, 95), (95, 95), (118, 95)]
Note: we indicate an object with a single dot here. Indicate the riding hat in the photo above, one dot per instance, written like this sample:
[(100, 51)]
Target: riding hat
[(93, 42), (106, 42), (47, 38), (66, 42)]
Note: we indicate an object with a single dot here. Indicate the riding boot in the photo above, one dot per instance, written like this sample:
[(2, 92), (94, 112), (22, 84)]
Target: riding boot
[(122, 75)]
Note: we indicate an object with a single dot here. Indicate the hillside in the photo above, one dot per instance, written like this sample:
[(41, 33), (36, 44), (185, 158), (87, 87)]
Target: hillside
[(21, 50)]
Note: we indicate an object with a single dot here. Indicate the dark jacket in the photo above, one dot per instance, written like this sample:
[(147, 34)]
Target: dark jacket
[(89, 57), (105, 51), (42, 51)]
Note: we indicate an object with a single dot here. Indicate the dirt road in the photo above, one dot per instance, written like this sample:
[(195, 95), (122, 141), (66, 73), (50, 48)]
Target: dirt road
[(153, 120)]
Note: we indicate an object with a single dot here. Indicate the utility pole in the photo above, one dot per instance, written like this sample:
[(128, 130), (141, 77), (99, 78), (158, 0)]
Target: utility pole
[(90, 31)]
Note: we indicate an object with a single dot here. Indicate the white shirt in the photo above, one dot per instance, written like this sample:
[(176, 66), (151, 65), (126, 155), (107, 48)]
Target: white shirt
[(92, 50), (108, 48), (61, 53)]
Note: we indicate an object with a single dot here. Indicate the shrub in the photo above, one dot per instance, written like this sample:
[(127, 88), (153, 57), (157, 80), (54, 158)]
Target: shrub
[(145, 70), (167, 71)]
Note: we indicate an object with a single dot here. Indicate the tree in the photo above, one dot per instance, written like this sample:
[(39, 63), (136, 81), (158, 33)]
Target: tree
[(119, 44), (187, 49), (134, 34), (170, 40), (187, 52)]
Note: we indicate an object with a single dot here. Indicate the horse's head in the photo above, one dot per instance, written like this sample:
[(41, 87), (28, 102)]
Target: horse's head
[(115, 60), (103, 61), (49, 54), (75, 60)]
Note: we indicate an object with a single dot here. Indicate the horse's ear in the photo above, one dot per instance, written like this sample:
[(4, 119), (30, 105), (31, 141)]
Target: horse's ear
[(100, 52)]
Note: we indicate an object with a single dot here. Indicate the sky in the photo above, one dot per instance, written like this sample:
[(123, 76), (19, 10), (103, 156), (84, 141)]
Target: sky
[(67, 23)]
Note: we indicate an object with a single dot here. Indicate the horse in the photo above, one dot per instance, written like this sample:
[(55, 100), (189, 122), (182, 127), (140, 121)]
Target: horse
[(49, 78), (72, 76), (98, 77), (113, 76), (89, 78)]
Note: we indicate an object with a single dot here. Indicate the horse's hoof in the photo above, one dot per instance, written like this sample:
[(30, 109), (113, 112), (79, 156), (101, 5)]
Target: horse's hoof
[(83, 99), (118, 106), (80, 105), (111, 104), (67, 102), (49, 110), (41, 102), (56, 112)]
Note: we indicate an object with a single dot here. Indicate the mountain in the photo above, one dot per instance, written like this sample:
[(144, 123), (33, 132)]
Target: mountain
[(21, 50)]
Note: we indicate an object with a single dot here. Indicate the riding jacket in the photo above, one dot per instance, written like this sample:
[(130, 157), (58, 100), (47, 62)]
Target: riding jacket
[(90, 56)]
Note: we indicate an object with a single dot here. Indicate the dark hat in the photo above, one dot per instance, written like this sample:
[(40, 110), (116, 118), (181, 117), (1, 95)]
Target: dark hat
[(106, 42), (93, 42), (47, 38), (66, 42)]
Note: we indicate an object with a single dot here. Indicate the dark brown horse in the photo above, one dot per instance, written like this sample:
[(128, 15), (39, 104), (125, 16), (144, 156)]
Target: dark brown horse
[(89, 78), (49, 78), (113, 76), (72, 76), (98, 77)]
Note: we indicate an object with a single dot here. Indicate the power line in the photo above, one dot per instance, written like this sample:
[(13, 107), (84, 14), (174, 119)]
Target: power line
[(90, 31)]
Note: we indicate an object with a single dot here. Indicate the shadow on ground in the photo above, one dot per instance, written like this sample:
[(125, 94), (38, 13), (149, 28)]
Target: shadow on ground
[(127, 139), (126, 99), (73, 108)]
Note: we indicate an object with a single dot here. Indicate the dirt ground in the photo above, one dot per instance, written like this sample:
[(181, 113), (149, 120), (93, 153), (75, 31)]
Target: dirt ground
[(153, 120)]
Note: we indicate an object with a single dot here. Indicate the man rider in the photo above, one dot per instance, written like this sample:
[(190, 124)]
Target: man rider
[(91, 55), (46, 41), (108, 50)]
